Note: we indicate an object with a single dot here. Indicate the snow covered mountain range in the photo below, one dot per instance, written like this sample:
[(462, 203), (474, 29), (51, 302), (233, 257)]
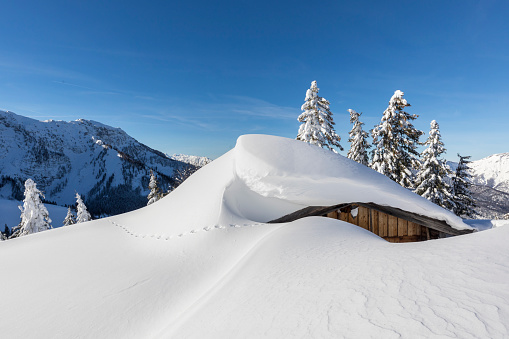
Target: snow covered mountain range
[(102, 163)]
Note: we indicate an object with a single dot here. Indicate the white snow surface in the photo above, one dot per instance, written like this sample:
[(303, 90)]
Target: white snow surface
[(201, 262)]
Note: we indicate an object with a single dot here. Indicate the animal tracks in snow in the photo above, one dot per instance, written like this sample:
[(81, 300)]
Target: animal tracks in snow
[(170, 237)]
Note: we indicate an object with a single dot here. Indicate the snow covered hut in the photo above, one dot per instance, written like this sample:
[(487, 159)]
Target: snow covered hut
[(327, 184)]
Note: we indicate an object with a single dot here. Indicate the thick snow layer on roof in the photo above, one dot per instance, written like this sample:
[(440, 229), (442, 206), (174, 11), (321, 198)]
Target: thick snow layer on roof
[(304, 174), (200, 263)]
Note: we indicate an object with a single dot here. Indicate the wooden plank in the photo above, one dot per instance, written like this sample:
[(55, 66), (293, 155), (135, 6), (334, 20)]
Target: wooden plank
[(404, 239), (374, 222), (333, 215), (343, 216), (383, 224), (393, 226), (363, 217), (402, 227), (413, 238), (412, 228), (351, 219)]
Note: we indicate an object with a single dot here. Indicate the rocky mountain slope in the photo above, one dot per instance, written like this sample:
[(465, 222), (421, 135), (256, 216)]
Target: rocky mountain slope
[(102, 163)]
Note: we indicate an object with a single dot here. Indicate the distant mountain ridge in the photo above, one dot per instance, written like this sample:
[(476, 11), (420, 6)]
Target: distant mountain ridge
[(103, 163), (191, 159)]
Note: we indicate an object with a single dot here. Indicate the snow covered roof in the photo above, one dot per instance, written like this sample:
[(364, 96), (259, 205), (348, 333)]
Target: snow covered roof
[(304, 174)]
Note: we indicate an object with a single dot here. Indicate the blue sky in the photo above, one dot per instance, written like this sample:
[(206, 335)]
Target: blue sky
[(190, 77)]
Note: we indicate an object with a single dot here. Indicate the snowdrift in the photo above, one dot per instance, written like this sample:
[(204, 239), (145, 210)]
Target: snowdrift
[(266, 177), (202, 262)]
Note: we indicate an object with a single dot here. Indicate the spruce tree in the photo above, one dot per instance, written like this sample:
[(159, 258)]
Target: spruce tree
[(317, 126), (430, 178), (155, 193), (70, 218), (395, 142), (358, 143), (34, 215), (82, 214), (464, 203)]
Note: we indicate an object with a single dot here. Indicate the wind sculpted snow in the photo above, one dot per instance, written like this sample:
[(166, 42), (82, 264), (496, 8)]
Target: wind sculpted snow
[(201, 263)]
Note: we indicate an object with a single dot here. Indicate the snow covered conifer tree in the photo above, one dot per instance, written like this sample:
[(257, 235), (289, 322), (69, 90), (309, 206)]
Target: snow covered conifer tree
[(464, 203), (317, 126), (155, 193), (82, 214), (70, 218), (430, 178), (395, 142), (34, 215), (358, 144)]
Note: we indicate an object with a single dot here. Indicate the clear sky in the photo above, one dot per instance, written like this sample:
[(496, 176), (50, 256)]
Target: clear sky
[(191, 76)]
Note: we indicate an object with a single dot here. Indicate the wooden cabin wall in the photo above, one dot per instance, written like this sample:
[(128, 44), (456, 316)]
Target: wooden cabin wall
[(391, 228)]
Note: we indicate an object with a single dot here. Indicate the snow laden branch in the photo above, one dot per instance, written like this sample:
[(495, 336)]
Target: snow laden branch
[(82, 214), (70, 218), (358, 143), (430, 178), (317, 126), (464, 205), (155, 192), (395, 142), (34, 215)]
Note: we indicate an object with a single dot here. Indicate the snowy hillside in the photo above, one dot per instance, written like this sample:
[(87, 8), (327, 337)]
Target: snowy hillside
[(191, 159), (490, 177), (107, 166), (224, 273), (492, 171)]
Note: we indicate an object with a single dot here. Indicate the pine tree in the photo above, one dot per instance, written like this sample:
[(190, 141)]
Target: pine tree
[(155, 193), (430, 178), (317, 126), (34, 215), (358, 144), (395, 142), (70, 218), (464, 203), (82, 214)]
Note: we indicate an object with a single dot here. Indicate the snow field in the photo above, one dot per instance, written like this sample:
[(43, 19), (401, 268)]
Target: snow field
[(203, 263), (325, 278)]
